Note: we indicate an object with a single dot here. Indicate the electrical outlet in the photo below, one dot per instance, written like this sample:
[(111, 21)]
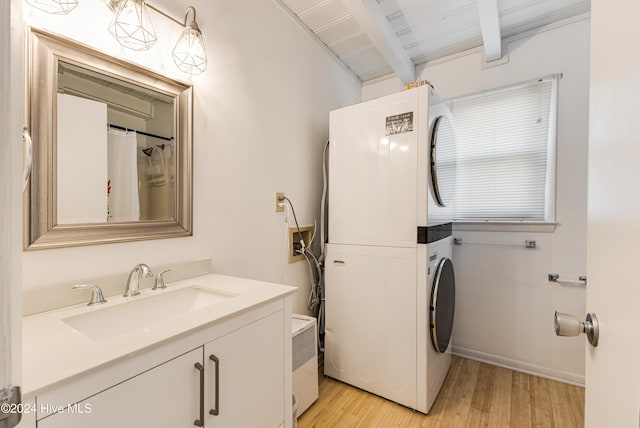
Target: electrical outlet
[(294, 241), (279, 202)]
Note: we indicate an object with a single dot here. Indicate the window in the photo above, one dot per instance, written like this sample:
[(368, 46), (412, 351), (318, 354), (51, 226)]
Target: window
[(505, 154)]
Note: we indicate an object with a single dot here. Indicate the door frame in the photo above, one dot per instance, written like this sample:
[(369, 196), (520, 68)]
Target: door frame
[(11, 119)]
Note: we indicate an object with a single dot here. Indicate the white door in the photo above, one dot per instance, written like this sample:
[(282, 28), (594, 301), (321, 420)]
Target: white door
[(613, 261), (11, 84)]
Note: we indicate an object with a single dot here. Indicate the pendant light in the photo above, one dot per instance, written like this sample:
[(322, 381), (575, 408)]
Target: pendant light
[(132, 26), (55, 7), (189, 54)]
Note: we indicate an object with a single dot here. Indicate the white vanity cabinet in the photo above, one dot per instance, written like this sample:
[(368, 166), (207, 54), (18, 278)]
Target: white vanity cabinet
[(165, 396), (234, 373)]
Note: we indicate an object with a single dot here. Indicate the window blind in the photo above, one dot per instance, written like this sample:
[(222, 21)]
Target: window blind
[(505, 153)]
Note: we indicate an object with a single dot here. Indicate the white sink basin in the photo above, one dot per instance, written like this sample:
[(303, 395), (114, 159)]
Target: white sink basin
[(141, 313)]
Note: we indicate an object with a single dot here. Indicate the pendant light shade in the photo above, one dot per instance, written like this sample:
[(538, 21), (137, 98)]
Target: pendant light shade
[(55, 7), (132, 26), (189, 53)]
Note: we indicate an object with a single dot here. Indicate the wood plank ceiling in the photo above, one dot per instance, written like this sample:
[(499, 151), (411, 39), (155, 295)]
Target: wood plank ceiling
[(375, 38)]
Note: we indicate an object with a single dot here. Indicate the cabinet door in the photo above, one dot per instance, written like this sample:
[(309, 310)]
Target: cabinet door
[(165, 396), (250, 376)]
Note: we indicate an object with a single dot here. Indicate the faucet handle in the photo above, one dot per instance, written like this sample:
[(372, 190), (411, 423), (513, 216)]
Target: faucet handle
[(160, 280), (96, 296)]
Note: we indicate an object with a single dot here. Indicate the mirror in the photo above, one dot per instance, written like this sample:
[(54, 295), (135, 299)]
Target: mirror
[(112, 149)]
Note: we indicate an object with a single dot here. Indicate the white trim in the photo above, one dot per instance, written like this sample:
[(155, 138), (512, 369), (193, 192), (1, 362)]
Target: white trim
[(550, 190), (520, 366), (11, 184)]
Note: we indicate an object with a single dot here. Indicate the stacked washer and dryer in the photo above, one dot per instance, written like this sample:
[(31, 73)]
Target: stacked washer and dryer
[(389, 284)]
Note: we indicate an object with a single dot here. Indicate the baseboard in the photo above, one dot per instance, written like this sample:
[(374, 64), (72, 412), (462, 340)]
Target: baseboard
[(520, 366)]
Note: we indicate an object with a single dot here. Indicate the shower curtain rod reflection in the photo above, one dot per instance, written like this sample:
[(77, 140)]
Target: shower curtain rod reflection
[(146, 134)]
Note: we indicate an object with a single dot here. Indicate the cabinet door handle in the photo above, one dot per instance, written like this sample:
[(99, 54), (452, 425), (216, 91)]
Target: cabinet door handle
[(216, 407), (200, 422)]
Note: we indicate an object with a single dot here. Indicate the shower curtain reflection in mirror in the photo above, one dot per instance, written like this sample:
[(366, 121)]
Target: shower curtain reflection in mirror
[(122, 166)]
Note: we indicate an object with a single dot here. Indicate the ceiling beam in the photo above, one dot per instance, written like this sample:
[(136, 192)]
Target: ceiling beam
[(490, 27), (376, 26)]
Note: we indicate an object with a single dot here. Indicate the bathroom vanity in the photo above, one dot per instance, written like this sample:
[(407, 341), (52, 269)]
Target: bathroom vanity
[(209, 351)]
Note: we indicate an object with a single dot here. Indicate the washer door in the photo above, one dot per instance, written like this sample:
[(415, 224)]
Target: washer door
[(443, 302)]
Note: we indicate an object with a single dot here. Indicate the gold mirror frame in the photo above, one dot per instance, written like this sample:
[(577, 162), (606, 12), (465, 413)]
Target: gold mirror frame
[(41, 230)]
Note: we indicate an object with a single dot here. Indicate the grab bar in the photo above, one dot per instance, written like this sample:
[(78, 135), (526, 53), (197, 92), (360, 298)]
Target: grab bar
[(529, 243), (554, 277)]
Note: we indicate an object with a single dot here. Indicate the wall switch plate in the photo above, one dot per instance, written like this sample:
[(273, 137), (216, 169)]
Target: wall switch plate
[(294, 241), (279, 202)]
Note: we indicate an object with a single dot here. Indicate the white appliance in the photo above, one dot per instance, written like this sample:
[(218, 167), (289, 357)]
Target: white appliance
[(383, 332), (305, 360)]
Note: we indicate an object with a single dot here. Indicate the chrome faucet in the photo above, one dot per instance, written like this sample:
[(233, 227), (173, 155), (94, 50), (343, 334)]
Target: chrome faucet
[(133, 287)]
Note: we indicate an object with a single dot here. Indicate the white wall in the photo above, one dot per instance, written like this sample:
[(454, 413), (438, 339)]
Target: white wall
[(505, 306), (261, 119)]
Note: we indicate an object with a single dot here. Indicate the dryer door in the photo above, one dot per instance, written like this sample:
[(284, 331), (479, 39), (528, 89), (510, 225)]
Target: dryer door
[(443, 161), (443, 301)]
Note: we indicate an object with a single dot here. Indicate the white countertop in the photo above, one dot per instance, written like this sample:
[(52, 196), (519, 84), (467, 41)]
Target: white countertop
[(53, 351)]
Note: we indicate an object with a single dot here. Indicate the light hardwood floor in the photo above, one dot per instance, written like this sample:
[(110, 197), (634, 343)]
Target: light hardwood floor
[(473, 395)]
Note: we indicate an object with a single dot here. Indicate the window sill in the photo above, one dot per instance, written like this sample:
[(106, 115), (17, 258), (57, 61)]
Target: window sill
[(505, 226)]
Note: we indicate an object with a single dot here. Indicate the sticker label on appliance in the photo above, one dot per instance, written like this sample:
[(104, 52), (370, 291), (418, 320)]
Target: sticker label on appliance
[(399, 123)]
